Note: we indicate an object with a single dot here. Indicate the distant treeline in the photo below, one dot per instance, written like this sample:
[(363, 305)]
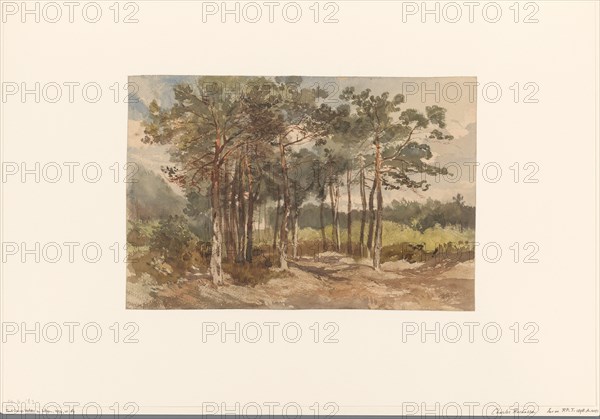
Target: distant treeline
[(419, 216), (152, 198)]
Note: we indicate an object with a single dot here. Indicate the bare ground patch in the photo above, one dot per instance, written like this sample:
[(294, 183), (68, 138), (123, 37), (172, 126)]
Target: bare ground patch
[(329, 281)]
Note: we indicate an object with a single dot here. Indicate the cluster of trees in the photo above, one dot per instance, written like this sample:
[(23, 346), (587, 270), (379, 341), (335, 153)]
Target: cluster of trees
[(418, 215), (422, 216), (277, 141)]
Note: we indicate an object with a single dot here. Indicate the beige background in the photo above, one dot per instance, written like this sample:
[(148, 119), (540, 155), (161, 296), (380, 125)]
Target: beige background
[(370, 370)]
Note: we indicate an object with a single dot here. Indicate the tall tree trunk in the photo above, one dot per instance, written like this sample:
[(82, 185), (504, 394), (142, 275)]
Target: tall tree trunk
[(349, 226), (276, 226), (371, 220), (295, 234), (222, 211), (250, 221), (337, 217), (258, 227), (322, 220), (241, 236), (283, 238), (225, 216), (233, 217), (216, 271), (334, 193), (265, 222), (294, 221), (379, 214), (363, 218)]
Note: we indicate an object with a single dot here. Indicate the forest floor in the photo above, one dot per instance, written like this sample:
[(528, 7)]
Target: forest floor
[(328, 281)]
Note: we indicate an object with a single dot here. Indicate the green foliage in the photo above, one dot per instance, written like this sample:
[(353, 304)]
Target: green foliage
[(174, 241), (432, 237), (437, 115), (394, 233), (431, 213), (411, 116), (419, 216), (139, 233), (311, 234)]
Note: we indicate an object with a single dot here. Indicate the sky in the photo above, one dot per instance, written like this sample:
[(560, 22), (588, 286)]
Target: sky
[(456, 94)]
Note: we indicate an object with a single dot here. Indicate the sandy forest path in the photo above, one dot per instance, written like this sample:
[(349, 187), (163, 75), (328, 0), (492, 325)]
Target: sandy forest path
[(329, 281)]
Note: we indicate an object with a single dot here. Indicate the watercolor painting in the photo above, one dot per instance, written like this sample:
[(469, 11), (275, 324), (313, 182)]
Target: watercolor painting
[(301, 193)]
